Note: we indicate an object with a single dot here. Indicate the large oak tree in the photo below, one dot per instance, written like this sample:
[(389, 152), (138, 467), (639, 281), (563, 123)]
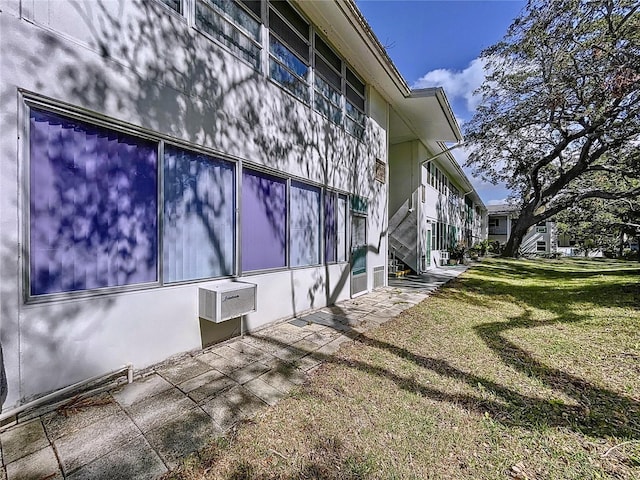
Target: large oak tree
[(561, 108)]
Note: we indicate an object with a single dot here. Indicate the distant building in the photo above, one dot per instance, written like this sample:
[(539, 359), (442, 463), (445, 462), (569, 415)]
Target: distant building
[(540, 239)]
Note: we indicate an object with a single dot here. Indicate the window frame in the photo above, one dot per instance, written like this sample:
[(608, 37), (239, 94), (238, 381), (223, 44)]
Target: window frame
[(235, 254), (29, 100), (210, 4), (271, 57), (33, 101), (241, 237)]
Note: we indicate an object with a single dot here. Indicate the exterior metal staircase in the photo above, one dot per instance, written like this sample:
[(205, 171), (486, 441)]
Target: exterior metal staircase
[(403, 237)]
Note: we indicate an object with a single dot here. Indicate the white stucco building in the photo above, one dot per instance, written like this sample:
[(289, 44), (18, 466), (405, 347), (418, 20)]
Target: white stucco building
[(150, 148), (433, 206), (541, 239)]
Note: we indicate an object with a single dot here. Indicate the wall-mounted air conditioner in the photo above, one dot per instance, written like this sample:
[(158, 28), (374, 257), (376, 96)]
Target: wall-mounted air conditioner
[(218, 303)]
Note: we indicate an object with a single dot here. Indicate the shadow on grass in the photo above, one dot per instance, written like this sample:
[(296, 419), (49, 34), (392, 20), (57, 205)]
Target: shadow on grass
[(556, 288), (595, 411)]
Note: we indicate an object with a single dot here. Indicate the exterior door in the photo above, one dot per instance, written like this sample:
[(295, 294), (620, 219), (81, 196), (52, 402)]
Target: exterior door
[(358, 254)]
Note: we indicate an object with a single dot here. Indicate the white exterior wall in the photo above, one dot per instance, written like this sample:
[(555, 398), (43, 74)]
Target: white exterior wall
[(162, 76), (409, 177)]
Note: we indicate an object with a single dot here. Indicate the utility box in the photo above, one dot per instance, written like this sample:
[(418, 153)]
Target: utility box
[(225, 301)]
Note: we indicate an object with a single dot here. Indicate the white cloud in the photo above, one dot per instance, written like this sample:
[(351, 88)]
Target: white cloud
[(502, 201), (456, 83)]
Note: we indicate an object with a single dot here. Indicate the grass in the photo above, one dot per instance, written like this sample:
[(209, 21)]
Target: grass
[(518, 369)]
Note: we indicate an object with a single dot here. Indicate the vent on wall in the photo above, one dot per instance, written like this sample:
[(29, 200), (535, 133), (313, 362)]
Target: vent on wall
[(378, 277), (358, 284), (218, 303)]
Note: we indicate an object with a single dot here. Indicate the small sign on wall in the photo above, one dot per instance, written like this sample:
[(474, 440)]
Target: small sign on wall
[(381, 171)]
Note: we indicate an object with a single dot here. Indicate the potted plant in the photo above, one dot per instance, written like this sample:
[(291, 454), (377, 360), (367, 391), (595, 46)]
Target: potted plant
[(456, 253)]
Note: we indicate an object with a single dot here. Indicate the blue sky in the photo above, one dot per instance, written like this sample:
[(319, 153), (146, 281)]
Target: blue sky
[(437, 43)]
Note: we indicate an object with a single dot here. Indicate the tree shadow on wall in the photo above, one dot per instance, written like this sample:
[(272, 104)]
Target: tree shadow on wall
[(147, 67)]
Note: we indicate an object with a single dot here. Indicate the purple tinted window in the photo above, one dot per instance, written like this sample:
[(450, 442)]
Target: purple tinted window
[(93, 206), (264, 220), (330, 230)]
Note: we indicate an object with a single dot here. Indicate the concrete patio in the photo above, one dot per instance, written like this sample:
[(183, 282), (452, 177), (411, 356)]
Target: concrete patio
[(143, 429)]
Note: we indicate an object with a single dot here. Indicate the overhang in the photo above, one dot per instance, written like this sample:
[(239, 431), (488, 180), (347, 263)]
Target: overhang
[(423, 114)]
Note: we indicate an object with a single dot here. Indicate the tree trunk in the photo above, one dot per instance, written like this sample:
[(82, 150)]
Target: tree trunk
[(621, 244), (518, 231)]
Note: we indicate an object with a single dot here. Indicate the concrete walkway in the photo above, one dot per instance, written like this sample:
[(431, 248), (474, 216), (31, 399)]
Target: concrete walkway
[(143, 429)]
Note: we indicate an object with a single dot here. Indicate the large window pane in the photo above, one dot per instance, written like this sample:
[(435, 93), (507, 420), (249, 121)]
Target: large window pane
[(93, 206), (264, 220), (236, 29), (289, 81), (305, 225), (341, 239), (288, 58), (199, 193), (330, 230)]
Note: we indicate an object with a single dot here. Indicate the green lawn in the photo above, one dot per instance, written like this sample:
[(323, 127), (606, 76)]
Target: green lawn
[(518, 369)]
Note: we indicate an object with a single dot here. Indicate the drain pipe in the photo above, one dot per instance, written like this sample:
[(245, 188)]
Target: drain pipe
[(44, 399), (447, 150)]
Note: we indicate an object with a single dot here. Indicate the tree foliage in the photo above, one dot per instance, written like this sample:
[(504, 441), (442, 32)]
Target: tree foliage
[(561, 108), (599, 224)]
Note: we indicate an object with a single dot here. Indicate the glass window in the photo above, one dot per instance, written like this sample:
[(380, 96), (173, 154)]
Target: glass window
[(330, 227), (289, 49), (233, 26), (285, 10), (541, 246), (327, 101), (93, 206), (328, 54), (354, 108), (328, 82), (199, 206), (264, 220), (304, 241), (173, 5), (291, 82), (335, 227), (288, 59), (341, 239), (358, 244)]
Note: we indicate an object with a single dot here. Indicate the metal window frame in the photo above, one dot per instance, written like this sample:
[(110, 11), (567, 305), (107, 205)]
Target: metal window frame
[(309, 63), (320, 225), (28, 100), (235, 164), (240, 29)]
